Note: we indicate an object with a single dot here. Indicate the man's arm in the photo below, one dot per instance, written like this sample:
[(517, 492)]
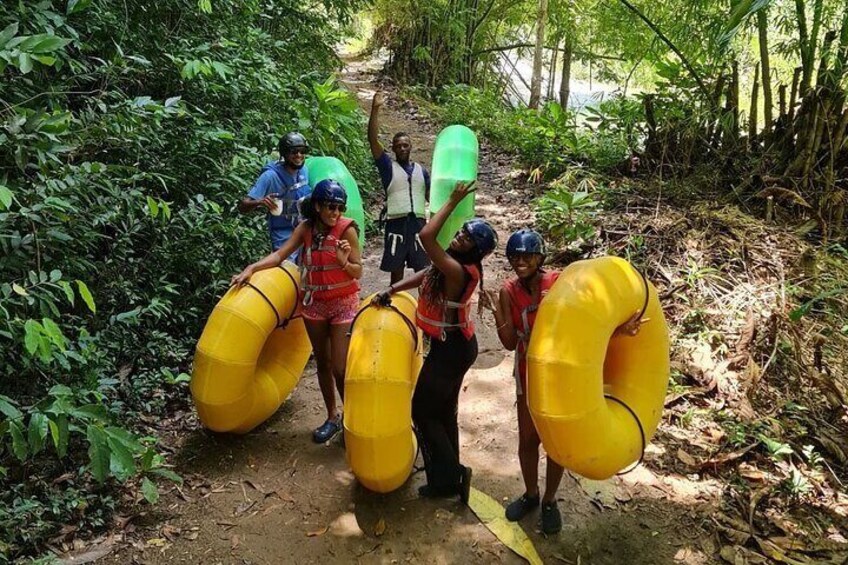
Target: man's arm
[(258, 196), (374, 126)]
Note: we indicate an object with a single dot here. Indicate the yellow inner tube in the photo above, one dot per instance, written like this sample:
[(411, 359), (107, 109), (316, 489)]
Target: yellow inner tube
[(248, 359), (596, 399), (383, 362)]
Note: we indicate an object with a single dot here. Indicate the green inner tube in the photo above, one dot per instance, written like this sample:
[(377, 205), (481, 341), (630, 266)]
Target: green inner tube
[(455, 158), (321, 168)]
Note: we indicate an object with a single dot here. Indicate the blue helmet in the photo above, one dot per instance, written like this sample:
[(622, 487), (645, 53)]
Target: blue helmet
[(329, 190), (525, 241), (482, 234)]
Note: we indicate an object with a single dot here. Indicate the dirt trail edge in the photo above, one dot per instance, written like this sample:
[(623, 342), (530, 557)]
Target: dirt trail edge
[(273, 496)]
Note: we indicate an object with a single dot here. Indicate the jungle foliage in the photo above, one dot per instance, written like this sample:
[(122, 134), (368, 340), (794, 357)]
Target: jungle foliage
[(753, 89), (129, 130)]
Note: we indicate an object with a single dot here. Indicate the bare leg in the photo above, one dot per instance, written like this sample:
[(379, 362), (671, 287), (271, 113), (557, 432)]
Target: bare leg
[(552, 480), (339, 342), (319, 335), (397, 275), (528, 449)]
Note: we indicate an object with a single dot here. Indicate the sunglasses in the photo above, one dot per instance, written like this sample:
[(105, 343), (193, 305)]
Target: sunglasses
[(299, 150), (332, 207)]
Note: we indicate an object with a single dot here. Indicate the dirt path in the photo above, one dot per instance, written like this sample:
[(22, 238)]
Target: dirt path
[(275, 497)]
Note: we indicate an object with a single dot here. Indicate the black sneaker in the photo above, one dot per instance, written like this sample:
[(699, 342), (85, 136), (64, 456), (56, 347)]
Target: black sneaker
[(551, 518), (465, 485), (520, 507), (326, 431)]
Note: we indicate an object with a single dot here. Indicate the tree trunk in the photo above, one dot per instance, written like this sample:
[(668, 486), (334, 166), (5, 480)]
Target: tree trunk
[(762, 26), (781, 95), (814, 31), (552, 70), (565, 79), (793, 96), (731, 130), (536, 82), (803, 46), (752, 119)]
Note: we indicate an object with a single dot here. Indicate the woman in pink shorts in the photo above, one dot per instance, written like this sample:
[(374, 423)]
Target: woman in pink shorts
[(332, 268)]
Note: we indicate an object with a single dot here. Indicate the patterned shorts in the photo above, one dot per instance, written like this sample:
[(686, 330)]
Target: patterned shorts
[(340, 310)]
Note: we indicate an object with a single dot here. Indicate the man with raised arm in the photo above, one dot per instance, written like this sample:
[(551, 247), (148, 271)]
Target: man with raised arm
[(407, 186)]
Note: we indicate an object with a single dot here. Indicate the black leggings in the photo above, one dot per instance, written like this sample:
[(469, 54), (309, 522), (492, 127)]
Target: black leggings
[(434, 408)]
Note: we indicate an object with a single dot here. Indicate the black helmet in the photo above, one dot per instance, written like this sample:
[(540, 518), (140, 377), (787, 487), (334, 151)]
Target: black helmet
[(482, 234), (291, 140), (525, 241), (329, 190)]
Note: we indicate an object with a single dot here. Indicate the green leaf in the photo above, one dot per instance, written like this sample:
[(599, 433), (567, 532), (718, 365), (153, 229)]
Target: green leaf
[(149, 490), (740, 11), (205, 6), (153, 207), (222, 69), (32, 336), (6, 196), (147, 460), (86, 295), (19, 443), (60, 433), (54, 332), (98, 452), (126, 438), (8, 33), (43, 43), (76, 6), (8, 408), (25, 63), (46, 60), (19, 289), (166, 209), (89, 412), (122, 462), (168, 474), (38, 427), (69, 291)]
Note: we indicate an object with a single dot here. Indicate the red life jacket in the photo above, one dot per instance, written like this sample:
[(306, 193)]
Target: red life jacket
[(324, 278), (523, 312), (432, 318)]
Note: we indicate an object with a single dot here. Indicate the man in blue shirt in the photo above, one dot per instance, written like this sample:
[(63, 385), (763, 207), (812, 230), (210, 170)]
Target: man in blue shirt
[(407, 186), (279, 187)]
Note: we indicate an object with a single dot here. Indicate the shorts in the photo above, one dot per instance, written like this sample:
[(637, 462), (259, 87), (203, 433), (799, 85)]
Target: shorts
[(337, 311), (401, 246)]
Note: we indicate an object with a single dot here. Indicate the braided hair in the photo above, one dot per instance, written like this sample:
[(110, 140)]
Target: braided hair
[(433, 289)]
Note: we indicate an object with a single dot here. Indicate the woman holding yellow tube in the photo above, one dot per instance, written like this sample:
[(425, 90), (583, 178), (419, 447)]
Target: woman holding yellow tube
[(333, 267), (514, 310), (444, 306)]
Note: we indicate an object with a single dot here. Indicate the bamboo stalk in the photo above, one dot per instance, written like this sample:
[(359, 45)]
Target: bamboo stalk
[(762, 25), (752, 118), (781, 95)]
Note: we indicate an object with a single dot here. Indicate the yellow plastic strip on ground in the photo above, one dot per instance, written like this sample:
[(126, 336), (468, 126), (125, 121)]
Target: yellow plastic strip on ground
[(491, 513)]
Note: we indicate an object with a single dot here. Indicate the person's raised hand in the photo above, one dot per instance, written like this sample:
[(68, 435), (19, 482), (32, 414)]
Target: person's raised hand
[(462, 189), (379, 99)]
